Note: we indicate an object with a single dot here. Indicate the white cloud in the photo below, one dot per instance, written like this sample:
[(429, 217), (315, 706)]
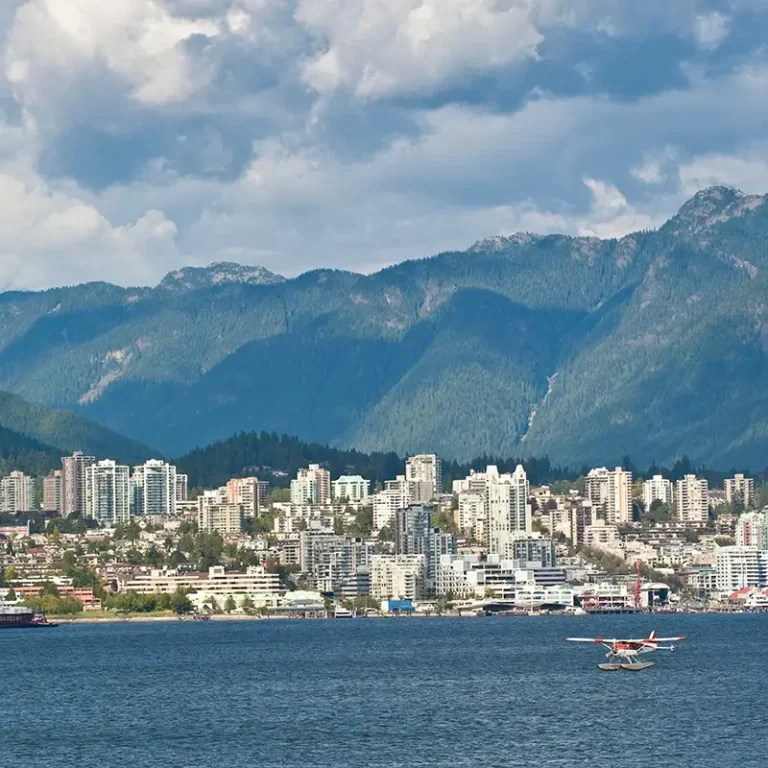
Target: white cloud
[(747, 171), (710, 29), (655, 167), (385, 47), (611, 215), (53, 43), (51, 235)]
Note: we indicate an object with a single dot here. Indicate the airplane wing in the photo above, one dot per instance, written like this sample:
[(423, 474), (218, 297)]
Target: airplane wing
[(668, 639), (590, 640)]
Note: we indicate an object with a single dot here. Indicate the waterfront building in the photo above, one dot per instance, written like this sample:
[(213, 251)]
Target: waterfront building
[(426, 472), (740, 567), (217, 582), (17, 493), (398, 576), (532, 551), (333, 563), (658, 488), (52, 500), (73, 474), (153, 488), (752, 530), (611, 490), (692, 500), (353, 488), (740, 487), (107, 493), (182, 487), (312, 485), (244, 491)]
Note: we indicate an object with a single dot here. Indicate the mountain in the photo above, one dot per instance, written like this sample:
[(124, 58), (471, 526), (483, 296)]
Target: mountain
[(653, 345), (25, 427), (19, 452)]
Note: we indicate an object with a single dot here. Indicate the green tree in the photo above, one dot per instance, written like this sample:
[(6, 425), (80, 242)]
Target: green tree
[(180, 603), (248, 605), (230, 604)]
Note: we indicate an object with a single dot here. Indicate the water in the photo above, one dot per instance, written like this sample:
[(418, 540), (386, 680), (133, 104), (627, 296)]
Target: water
[(399, 692)]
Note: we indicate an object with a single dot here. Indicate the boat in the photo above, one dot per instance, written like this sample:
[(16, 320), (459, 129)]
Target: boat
[(18, 617)]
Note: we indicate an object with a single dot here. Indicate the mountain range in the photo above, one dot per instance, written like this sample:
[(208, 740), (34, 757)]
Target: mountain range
[(653, 345)]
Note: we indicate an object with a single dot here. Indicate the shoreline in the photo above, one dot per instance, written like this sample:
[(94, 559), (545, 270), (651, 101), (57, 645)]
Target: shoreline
[(143, 619)]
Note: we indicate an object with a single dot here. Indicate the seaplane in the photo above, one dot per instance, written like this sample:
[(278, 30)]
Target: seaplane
[(625, 654)]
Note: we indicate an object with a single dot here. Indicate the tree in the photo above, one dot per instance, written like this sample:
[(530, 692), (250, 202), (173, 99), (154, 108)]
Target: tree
[(180, 603), (11, 595), (230, 604), (248, 606)]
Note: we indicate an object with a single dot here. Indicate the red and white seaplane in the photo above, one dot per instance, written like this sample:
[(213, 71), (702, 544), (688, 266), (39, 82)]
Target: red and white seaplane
[(625, 654)]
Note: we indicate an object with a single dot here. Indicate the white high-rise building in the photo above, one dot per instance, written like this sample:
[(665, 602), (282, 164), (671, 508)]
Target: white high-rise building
[(740, 487), (73, 472), (223, 518), (107, 493), (692, 500), (398, 576), (658, 488), (352, 487), (153, 488), (613, 491), (426, 469), (752, 530), (508, 509), (396, 495), (245, 491), (182, 487), (473, 515), (740, 567), (17, 493), (52, 500), (311, 486)]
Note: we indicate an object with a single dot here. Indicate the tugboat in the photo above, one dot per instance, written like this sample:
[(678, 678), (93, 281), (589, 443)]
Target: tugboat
[(18, 617)]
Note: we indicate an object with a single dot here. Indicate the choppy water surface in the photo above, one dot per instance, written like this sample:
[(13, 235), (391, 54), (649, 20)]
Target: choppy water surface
[(395, 692)]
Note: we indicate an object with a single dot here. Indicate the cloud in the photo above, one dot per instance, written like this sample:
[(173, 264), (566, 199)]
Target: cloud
[(136, 135), (56, 44), (711, 29)]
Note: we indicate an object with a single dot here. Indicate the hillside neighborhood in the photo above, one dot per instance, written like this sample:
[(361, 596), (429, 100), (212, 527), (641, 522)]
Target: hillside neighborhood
[(103, 539)]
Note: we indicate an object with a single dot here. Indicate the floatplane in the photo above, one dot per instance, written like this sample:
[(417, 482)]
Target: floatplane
[(625, 654)]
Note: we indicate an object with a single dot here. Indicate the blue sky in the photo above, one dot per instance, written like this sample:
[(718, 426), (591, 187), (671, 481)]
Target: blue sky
[(137, 136)]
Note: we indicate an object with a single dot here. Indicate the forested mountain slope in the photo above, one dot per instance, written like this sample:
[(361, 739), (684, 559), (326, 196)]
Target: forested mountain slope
[(653, 345)]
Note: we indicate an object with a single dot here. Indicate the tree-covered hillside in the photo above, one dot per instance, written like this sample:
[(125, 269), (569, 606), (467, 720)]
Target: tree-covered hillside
[(577, 348), (30, 428), (19, 452)]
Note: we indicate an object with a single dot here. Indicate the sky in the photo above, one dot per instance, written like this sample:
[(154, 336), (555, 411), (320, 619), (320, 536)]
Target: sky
[(138, 136)]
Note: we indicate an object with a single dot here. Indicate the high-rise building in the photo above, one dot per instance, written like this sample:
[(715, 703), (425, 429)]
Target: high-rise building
[(658, 488), (426, 471), (333, 562), (17, 493), (752, 530), (223, 518), (354, 488), (73, 472), (107, 493), (508, 508), (740, 487), (396, 495), (153, 488), (245, 491), (398, 576), (52, 500), (692, 500), (740, 567), (472, 514), (311, 486), (182, 487), (611, 490)]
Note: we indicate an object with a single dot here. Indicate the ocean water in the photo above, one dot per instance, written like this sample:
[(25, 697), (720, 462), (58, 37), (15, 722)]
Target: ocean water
[(396, 692)]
